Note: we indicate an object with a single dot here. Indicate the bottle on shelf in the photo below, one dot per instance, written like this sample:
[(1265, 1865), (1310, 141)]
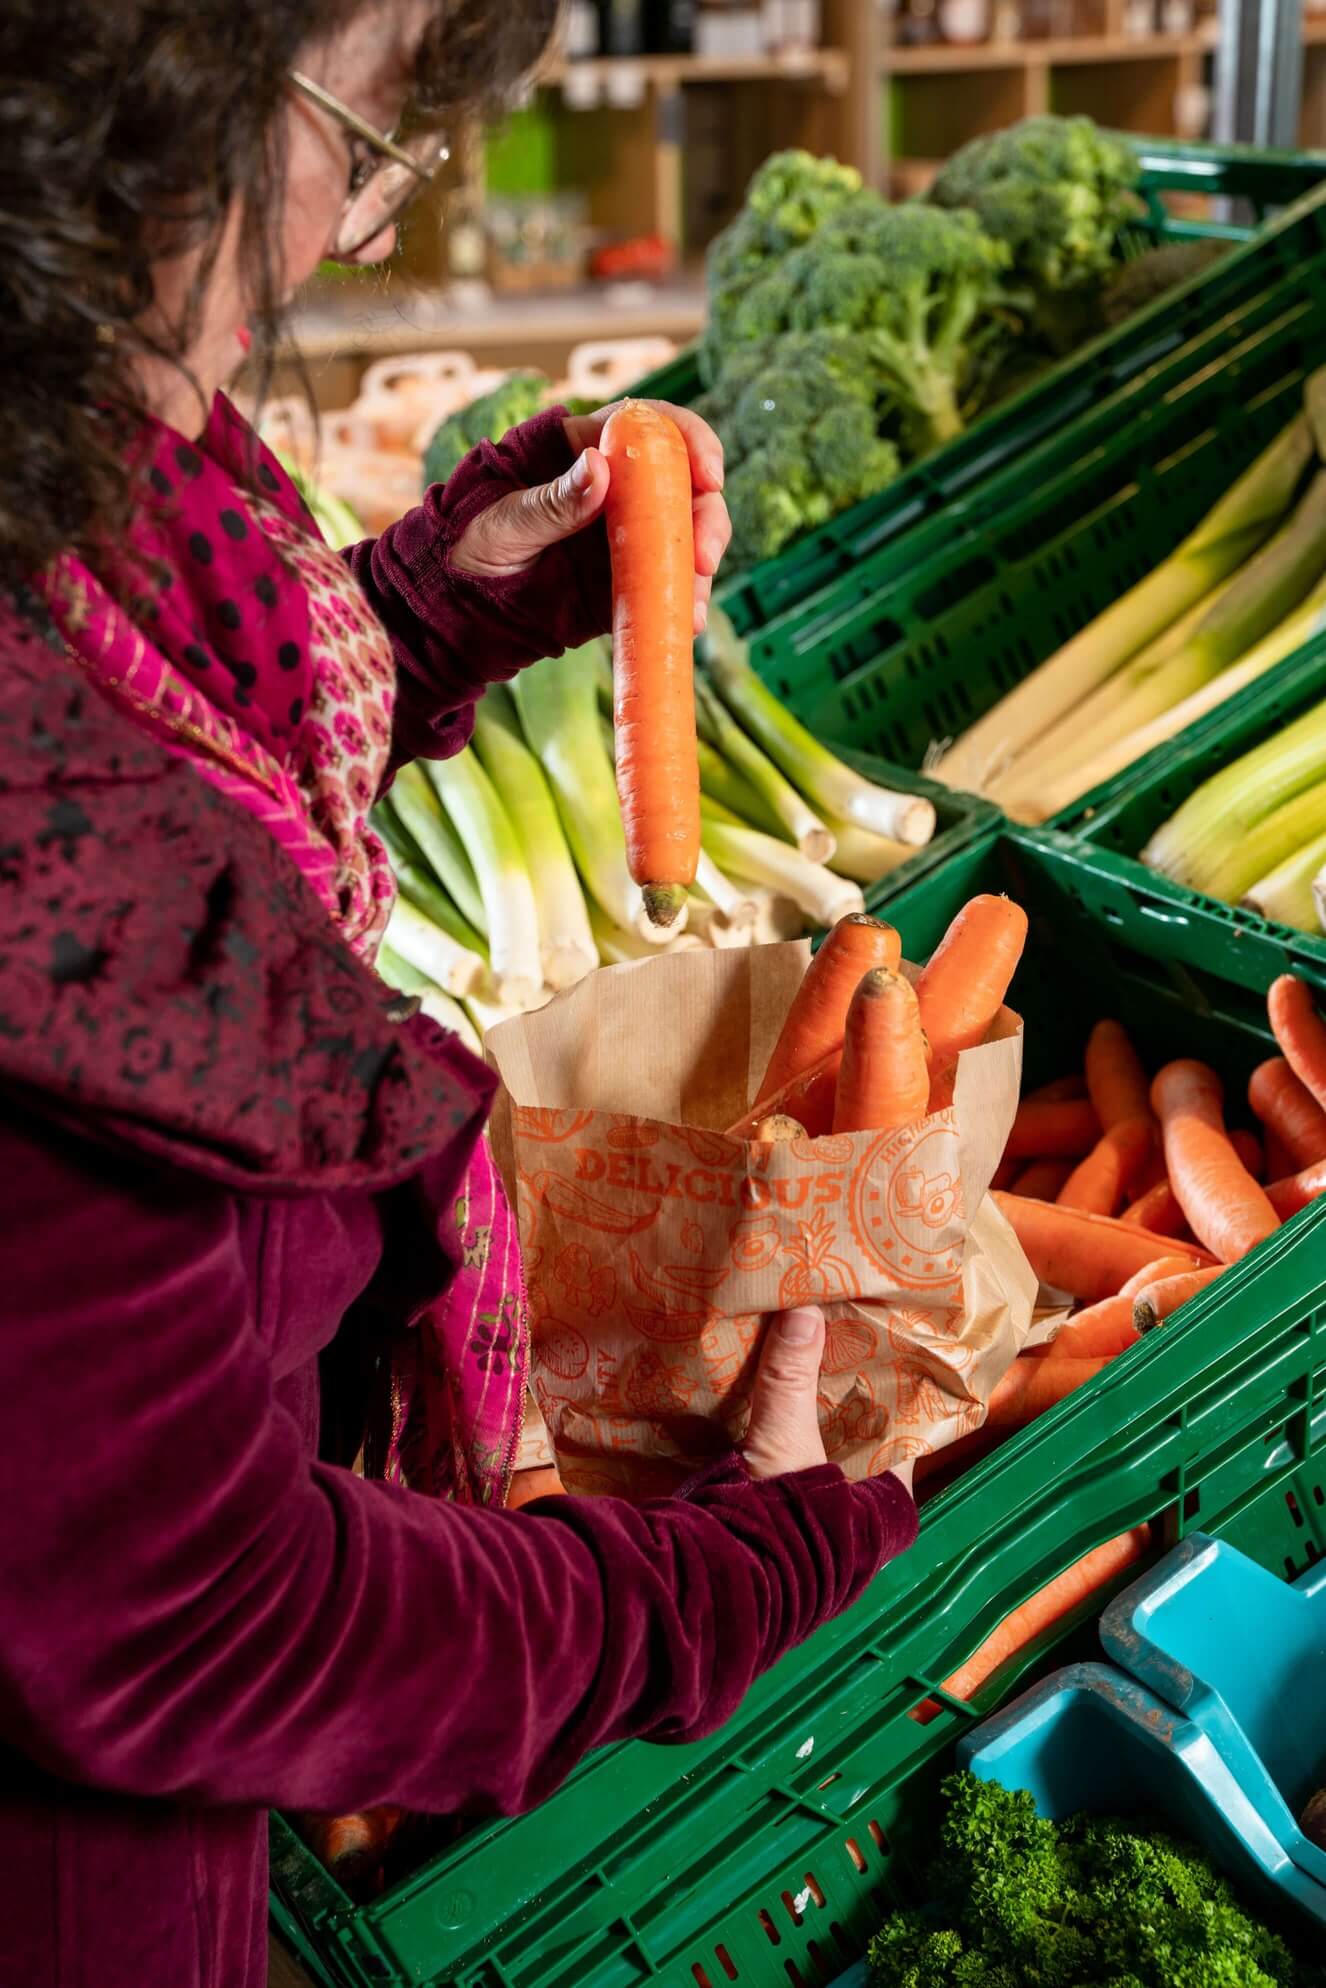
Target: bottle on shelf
[(669, 27), (621, 27), (581, 37)]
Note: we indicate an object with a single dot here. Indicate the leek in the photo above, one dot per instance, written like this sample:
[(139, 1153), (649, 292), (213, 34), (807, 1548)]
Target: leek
[(825, 781), (796, 821), (1270, 843), (1292, 633), (439, 1007), (421, 814), (484, 827), (430, 950), (1286, 894), (864, 857), (760, 859), (565, 941), (416, 882), (1231, 531), (485, 1013), (1228, 806), (558, 706), (1319, 895), (614, 944), (735, 906), (722, 783)]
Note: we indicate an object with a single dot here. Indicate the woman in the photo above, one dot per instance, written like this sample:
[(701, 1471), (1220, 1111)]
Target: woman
[(224, 1145)]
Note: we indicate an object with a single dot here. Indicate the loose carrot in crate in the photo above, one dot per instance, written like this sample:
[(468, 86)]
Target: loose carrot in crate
[(1289, 1111), (1097, 1332), (1157, 1210), (962, 988), (1041, 1179), (817, 1018), (1064, 1129), (883, 1081), (1300, 1032), (1251, 1151), (1030, 1386), (1159, 1300), (1044, 1611), (1296, 1190), (1102, 1181), (1089, 1256), (1074, 1085), (1164, 1266), (1116, 1082), (652, 546), (1226, 1209)]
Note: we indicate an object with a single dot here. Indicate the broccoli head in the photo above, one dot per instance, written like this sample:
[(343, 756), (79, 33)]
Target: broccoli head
[(791, 196), (798, 425), (1144, 278), (487, 419), (1057, 191), (922, 290), (1087, 1903)]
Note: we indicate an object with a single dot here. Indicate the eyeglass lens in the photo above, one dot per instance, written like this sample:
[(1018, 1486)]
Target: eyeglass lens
[(386, 193)]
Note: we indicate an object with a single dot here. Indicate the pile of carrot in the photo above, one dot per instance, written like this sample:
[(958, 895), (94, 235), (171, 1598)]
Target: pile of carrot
[(865, 1049)]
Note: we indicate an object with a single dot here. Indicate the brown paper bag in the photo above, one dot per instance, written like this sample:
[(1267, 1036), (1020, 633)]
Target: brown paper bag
[(655, 1245)]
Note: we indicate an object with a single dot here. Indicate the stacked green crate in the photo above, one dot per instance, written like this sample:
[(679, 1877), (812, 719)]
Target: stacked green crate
[(767, 1853)]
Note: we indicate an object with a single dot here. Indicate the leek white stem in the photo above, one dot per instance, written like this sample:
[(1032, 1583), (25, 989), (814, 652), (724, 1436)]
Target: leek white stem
[(1230, 532), (565, 941), (439, 1007), (744, 852), (422, 815), (736, 906), (824, 780), (795, 820), (432, 951), (722, 783), (864, 857), (486, 1013), (1286, 894), (484, 827)]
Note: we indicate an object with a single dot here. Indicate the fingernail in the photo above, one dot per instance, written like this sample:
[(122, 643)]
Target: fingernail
[(581, 472), (702, 615), (715, 467), (800, 1327)]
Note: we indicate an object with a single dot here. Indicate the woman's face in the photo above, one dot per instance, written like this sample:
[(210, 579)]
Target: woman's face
[(368, 66)]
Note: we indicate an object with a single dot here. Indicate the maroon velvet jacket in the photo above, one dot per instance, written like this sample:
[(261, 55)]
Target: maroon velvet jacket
[(219, 1145)]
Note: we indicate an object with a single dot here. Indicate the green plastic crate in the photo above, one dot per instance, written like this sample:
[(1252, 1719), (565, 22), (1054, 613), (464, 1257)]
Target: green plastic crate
[(959, 820), (931, 631), (1260, 182), (767, 1854), (1109, 828)]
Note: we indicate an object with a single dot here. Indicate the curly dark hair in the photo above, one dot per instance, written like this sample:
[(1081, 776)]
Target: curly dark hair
[(127, 129)]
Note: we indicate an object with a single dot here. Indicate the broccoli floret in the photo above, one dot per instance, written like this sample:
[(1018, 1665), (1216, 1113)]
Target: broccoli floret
[(1056, 191), (798, 425), (1143, 278), (790, 197), (922, 290), (487, 419), (1088, 1903)]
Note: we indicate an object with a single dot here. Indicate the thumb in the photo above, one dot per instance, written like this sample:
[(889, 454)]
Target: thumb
[(511, 533), (784, 1430)]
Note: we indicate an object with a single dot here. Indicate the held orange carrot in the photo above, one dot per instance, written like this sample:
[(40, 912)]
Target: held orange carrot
[(817, 1018), (1288, 1110), (1157, 1301), (1059, 1130), (1097, 1332), (652, 546), (1226, 1209), (1295, 1191), (1102, 1181), (1041, 1179), (1157, 1210), (1116, 1082), (1050, 1606), (883, 1081), (1300, 1032), (962, 988), (1089, 1256)]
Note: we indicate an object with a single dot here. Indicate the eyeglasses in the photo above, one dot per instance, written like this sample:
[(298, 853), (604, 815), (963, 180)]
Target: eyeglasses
[(380, 188)]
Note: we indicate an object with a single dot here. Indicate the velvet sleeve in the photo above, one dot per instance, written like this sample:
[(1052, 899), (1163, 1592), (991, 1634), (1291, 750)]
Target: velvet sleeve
[(194, 1610), (454, 633)]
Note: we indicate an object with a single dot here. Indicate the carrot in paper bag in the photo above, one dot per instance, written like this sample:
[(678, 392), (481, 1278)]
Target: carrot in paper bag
[(652, 545), (962, 988), (817, 1018), (883, 1081)]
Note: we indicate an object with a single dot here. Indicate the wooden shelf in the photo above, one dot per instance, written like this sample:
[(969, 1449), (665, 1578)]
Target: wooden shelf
[(947, 57), (827, 66)]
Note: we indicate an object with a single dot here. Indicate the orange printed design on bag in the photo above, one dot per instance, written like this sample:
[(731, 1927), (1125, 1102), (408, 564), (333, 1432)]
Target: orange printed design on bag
[(550, 1127), (755, 1242), (848, 1343), (654, 1385), (562, 1350), (816, 1272), (594, 1287)]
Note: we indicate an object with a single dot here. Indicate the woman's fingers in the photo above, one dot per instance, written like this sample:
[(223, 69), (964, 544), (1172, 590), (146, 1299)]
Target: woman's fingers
[(702, 444), (510, 534), (784, 1433)]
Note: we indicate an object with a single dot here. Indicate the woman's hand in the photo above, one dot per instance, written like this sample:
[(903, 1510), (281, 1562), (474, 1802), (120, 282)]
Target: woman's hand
[(509, 536), (784, 1433)]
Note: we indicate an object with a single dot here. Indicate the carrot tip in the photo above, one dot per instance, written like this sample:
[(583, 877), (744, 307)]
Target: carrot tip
[(663, 903)]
